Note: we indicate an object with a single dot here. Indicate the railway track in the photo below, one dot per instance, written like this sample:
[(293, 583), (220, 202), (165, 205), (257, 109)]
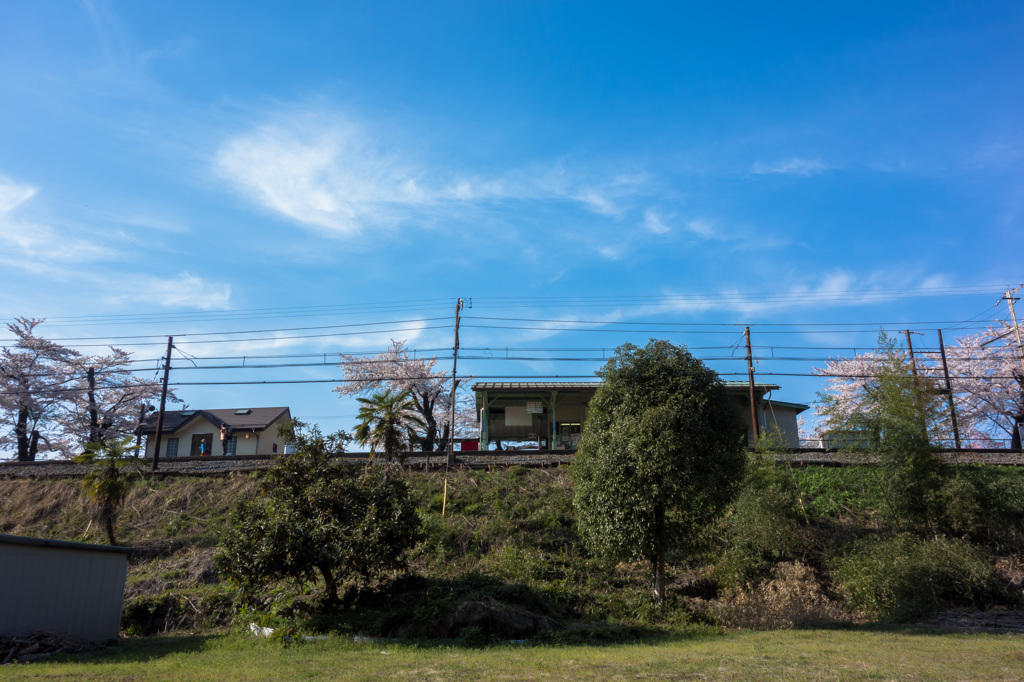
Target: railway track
[(205, 466)]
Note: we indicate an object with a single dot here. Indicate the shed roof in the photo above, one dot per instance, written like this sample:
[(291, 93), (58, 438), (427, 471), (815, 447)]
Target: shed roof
[(62, 544), (510, 386), (252, 419), (535, 385)]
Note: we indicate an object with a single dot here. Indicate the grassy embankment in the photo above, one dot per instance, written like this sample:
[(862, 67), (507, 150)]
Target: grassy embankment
[(504, 562)]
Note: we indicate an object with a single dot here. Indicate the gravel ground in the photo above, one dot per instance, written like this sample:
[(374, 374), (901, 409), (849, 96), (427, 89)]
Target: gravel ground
[(216, 465)]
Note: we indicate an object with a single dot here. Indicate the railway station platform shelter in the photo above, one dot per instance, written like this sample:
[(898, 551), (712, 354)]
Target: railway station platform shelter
[(550, 415)]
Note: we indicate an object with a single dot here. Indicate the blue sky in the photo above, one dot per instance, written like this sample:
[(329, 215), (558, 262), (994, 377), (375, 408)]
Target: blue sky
[(206, 167)]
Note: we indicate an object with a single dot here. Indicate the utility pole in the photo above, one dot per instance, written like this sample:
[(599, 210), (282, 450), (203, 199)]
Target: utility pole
[(1016, 330), (949, 391), (455, 385), (750, 376), (163, 404), (1018, 436)]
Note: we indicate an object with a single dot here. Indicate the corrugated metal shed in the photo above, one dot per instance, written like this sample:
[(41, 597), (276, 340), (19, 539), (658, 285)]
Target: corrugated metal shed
[(60, 586)]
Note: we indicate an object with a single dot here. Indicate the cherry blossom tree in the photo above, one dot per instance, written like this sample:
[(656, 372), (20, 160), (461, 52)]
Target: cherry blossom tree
[(107, 401), (852, 397), (36, 375), (55, 399), (988, 384), (986, 379), (429, 388)]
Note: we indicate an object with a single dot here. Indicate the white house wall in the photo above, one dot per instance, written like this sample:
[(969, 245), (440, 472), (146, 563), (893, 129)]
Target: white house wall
[(259, 443)]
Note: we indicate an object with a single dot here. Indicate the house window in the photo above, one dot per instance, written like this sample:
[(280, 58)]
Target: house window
[(231, 445), (172, 447), (275, 448)]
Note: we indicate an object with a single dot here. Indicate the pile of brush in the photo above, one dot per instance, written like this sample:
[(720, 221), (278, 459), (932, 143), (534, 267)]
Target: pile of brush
[(41, 645)]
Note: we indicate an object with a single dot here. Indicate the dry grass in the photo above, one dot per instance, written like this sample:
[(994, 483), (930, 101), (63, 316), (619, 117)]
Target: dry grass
[(49, 509), (793, 597)]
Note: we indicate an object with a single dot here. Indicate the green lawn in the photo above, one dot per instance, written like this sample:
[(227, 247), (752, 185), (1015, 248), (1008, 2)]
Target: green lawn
[(903, 654)]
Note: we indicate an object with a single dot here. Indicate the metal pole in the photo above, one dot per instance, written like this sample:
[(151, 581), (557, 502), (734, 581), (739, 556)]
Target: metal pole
[(1016, 330), (949, 392), (163, 404), (750, 376), (910, 349), (1018, 434), (455, 384)]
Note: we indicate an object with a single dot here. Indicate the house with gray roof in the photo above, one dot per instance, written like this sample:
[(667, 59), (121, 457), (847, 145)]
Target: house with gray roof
[(192, 433)]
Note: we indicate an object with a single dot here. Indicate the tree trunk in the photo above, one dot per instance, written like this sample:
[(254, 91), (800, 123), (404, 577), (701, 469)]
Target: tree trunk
[(21, 432), (658, 560), (658, 571), (425, 406), (94, 421), (330, 584), (108, 522), (33, 445)]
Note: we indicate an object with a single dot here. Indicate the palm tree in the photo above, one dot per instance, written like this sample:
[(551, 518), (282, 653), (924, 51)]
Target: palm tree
[(112, 471), (388, 423)]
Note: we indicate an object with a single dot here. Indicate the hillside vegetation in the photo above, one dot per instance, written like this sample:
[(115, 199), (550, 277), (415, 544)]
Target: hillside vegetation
[(505, 561)]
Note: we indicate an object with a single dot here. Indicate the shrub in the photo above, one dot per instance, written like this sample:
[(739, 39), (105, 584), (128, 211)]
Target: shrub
[(763, 526), (314, 514), (892, 413), (904, 577)]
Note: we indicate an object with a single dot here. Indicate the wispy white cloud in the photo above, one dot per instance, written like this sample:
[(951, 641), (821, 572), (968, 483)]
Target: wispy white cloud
[(223, 344), (653, 222), (184, 290), (835, 289), (792, 166), (703, 228), (13, 194), (31, 245), (567, 323), (324, 171)]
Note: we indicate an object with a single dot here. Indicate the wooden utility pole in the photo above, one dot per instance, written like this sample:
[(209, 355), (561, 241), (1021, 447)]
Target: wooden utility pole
[(455, 385), (949, 392), (163, 404), (750, 376)]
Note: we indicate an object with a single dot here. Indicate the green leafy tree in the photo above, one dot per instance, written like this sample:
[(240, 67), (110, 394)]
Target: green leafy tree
[(112, 472), (893, 422), (660, 456), (387, 422), (314, 514)]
